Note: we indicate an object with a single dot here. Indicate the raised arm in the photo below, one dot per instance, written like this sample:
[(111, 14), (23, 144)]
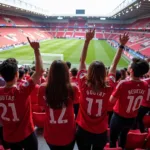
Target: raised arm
[(38, 61), (123, 40), (89, 36)]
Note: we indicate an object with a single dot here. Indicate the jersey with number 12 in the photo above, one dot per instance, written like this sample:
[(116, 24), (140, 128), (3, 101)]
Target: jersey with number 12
[(59, 127)]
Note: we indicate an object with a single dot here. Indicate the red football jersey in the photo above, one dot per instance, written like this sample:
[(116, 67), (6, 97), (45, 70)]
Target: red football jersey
[(74, 80), (146, 102), (15, 111), (92, 115), (59, 127), (42, 80), (20, 81), (129, 96), (27, 77), (111, 105), (34, 94)]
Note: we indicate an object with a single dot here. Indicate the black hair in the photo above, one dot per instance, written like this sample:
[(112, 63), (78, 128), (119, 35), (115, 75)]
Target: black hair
[(33, 68), (21, 73), (139, 67), (68, 64), (125, 69), (8, 69), (74, 72), (26, 70), (118, 75), (31, 73)]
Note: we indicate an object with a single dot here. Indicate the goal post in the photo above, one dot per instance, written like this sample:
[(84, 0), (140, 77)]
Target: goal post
[(49, 58)]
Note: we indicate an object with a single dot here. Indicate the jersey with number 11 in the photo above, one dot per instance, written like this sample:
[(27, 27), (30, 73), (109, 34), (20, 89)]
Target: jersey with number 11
[(92, 115)]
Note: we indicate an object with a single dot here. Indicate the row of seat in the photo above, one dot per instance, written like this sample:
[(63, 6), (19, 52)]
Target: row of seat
[(135, 138)]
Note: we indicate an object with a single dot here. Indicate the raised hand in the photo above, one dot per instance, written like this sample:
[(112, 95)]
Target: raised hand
[(34, 45), (124, 39), (90, 34)]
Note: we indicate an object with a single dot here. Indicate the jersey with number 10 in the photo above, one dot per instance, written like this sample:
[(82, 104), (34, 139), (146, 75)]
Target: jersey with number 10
[(129, 96), (92, 115), (59, 126), (15, 111)]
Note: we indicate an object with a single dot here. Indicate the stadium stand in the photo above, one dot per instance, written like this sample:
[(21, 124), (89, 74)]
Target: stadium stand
[(14, 30), (9, 35)]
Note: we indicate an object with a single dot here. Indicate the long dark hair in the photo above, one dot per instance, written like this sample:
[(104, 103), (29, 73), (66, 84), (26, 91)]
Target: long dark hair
[(96, 76), (58, 89)]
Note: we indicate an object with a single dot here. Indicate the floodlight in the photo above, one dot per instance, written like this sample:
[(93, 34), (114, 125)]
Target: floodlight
[(102, 18), (59, 18)]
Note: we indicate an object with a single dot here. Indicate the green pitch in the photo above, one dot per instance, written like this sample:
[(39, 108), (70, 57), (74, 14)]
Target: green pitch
[(70, 48)]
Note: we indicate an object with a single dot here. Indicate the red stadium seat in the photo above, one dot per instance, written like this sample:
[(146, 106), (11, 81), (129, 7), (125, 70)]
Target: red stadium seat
[(1, 147), (39, 119), (147, 121), (135, 139), (108, 148), (117, 148)]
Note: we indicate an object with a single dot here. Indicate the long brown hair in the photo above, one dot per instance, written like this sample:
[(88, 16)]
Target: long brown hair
[(58, 89), (96, 76)]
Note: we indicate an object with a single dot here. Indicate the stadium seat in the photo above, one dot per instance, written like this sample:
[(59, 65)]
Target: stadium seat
[(39, 119), (117, 148), (147, 121), (1, 147), (135, 139), (108, 148)]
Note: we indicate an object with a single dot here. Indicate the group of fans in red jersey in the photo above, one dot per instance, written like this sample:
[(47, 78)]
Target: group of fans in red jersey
[(77, 103)]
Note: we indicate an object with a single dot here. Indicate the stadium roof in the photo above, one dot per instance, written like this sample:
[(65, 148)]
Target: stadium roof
[(126, 10), (139, 8)]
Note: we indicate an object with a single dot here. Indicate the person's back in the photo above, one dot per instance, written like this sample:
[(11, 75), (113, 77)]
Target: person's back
[(57, 96), (21, 77), (15, 105), (128, 97), (131, 94), (146, 102), (60, 124), (92, 118), (144, 109), (15, 108), (92, 114)]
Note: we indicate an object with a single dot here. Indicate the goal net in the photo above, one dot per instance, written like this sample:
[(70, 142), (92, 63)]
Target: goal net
[(49, 58)]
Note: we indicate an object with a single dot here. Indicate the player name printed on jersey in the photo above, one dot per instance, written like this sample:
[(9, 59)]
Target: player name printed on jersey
[(90, 92), (7, 97), (136, 91), (130, 95)]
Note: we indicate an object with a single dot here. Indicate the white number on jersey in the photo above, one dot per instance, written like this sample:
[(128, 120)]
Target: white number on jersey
[(90, 103), (134, 104), (148, 96), (60, 119), (14, 113)]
